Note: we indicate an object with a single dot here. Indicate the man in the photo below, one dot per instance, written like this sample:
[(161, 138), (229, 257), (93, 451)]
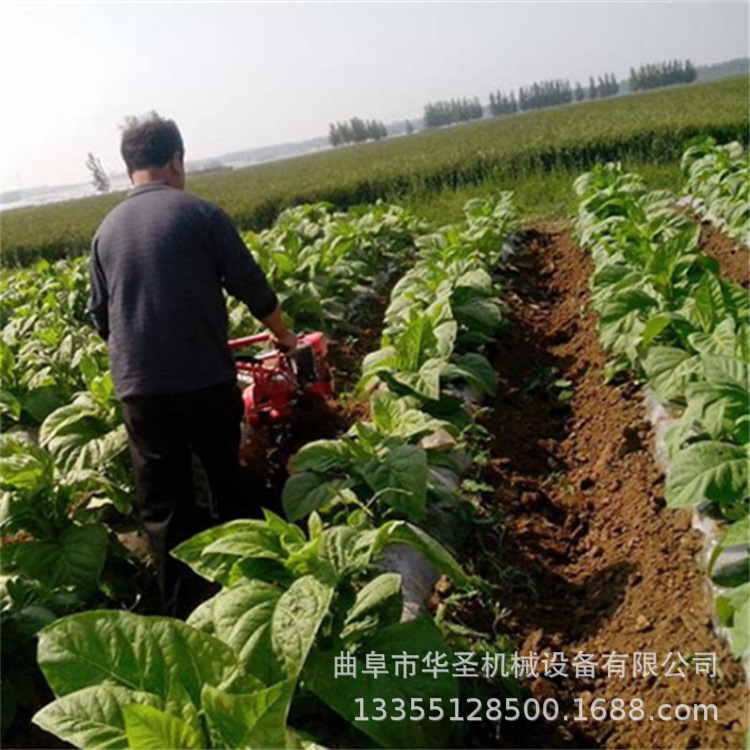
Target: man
[(158, 264)]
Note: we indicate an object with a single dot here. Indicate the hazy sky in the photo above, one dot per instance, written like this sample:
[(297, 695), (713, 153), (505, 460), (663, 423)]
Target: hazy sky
[(240, 74)]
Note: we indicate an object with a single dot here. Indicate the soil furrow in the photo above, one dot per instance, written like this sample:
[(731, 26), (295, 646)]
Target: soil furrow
[(614, 570)]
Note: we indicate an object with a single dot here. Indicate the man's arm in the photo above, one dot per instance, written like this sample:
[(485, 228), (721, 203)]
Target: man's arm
[(99, 299), (244, 279), (284, 338)]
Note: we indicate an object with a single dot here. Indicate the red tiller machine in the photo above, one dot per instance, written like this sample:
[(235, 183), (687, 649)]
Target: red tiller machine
[(273, 382)]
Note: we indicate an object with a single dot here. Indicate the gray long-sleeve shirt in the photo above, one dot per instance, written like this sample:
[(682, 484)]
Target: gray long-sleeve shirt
[(158, 264)]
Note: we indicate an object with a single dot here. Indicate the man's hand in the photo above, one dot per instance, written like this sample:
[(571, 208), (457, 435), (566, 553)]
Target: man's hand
[(286, 342), (281, 336)]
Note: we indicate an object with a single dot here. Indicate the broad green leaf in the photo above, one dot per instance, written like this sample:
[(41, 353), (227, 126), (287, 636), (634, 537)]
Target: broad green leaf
[(252, 720), (378, 360), (308, 491), (727, 370), (339, 548), (733, 608), (655, 325), (148, 654), (708, 471), (257, 542), (475, 370), (79, 438), (89, 367), (42, 401), (178, 703), (378, 604), (27, 606), (395, 416), (214, 566), (669, 370), (424, 383), (716, 408), (477, 312), (23, 465), (262, 569), (298, 614), (92, 717), (400, 479), (314, 526), (74, 558), (722, 341), (289, 533), (620, 305), (241, 617), (321, 456), (708, 299), (10, 404), (721, 401), (445, 334), (416, 343), (148, 728)]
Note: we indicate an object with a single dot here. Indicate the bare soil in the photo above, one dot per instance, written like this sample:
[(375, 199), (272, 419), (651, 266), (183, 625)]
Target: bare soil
[(613, 569), (734, 258)]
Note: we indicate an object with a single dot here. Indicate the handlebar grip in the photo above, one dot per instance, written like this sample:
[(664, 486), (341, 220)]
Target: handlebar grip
[(285, 349)]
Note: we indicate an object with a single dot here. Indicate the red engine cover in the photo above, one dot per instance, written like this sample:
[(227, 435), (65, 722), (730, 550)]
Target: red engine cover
[(274, 382)]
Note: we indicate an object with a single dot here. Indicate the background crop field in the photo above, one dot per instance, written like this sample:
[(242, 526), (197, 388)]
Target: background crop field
[(537, 154)]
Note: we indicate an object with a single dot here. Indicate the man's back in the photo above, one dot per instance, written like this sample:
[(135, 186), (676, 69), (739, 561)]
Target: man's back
[(158, 263)]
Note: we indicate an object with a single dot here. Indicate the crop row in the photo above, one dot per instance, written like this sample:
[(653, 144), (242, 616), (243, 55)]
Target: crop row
[(667, 315), (66, 475), (717, 182), (291, 601), (649, 127)]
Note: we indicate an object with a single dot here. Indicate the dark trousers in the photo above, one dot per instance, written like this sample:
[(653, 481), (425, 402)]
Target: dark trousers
[(163, 430)]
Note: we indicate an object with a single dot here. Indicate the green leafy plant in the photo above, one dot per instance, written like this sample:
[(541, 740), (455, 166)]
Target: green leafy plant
[(667, 315), (53, 552), (718, 181), (227, 678), (293, 602), (177, 688)]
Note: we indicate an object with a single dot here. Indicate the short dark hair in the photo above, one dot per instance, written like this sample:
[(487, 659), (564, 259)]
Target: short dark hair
[(149, 142)]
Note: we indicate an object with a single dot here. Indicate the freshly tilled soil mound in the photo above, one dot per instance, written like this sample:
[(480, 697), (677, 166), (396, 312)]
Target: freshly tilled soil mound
[(614, 570)]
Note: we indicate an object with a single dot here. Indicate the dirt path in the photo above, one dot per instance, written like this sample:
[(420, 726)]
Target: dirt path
[(613, 568)]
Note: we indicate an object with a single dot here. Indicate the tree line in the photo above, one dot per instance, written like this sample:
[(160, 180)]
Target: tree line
[(662, 74), (538, 95), (551, 94), (603, 87), (453, 110), (503, 104), (356, 131)]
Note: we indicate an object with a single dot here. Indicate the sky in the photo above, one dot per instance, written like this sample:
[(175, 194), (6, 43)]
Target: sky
[(236, 75)]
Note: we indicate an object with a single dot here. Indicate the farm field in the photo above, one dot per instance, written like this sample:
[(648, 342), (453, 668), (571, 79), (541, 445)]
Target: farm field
[(521, 152), (498, 380)]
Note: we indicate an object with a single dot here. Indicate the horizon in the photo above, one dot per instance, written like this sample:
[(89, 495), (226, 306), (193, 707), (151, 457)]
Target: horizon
[(122, 173), (336, 84)]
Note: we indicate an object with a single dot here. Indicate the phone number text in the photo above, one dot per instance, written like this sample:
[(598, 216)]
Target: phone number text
[(530, 709)]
